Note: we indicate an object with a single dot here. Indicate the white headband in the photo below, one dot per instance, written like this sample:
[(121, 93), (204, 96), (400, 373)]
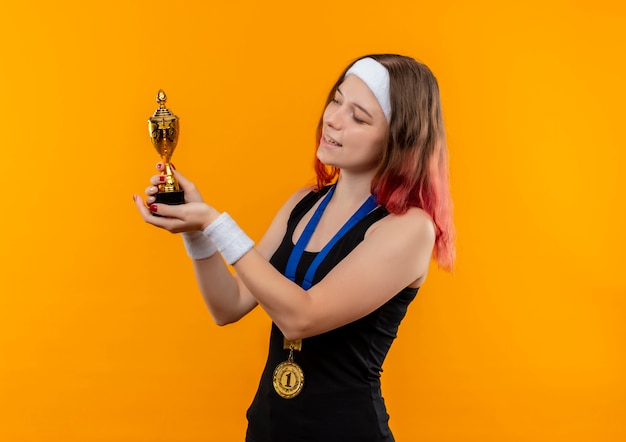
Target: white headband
[(376, 77)]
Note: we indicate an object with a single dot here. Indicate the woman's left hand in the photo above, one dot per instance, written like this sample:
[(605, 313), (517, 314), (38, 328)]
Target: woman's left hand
[(187, 217)]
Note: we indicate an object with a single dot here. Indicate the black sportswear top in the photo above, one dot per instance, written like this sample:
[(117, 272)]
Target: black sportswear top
[(341, 399)]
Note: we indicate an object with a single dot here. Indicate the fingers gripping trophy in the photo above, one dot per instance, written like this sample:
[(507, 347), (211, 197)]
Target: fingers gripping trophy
[(163, 128)]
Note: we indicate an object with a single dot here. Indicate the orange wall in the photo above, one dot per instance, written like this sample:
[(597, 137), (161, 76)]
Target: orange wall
[(103, 335)]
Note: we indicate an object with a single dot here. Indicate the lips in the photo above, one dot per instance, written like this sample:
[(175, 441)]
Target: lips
[(330, 140)]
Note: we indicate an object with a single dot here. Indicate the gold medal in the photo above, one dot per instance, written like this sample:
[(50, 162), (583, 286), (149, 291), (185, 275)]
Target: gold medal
[(288, 378)]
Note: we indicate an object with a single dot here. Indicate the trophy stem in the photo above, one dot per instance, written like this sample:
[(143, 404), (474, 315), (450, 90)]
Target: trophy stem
[(170, 184)]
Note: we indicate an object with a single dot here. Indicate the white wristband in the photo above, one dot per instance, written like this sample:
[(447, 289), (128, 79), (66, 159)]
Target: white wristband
[(231, 241), (198, 246)]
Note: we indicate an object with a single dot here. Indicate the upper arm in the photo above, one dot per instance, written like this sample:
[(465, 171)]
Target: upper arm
[(395, 254)]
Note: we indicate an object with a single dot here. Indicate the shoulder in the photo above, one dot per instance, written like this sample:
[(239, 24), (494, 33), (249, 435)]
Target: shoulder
[(273, 235), (298, 196), (301, 193), (415, 223), (408, 237)]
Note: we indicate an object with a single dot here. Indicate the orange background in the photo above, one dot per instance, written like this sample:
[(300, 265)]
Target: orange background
[(103, 334)]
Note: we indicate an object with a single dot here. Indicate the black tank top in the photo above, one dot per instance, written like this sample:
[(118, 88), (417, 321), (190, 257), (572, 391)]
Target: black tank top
[(341, 400)]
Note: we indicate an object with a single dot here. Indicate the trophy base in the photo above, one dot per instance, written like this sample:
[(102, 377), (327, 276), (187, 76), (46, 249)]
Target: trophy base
[(170, 198)]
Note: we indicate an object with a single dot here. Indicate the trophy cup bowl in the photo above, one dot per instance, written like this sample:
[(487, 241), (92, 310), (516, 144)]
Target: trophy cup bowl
[(163, 129)]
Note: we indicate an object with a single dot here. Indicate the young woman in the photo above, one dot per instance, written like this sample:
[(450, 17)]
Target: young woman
[(340, 263)]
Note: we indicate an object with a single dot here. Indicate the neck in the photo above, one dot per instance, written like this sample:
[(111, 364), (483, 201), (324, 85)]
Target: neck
[(352, 188)]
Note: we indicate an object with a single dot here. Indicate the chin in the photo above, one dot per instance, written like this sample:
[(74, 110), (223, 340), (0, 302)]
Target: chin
[(324, 157)]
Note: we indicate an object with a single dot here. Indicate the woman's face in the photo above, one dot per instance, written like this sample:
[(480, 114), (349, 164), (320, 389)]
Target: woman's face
[(354, 128)]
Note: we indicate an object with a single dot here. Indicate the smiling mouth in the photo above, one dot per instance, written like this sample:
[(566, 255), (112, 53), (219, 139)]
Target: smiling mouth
[(330, 141)]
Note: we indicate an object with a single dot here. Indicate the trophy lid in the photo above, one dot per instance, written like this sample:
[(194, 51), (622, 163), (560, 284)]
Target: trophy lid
[(162, 113)]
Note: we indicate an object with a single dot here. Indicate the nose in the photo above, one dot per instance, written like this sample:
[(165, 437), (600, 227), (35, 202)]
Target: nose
[(332, 116)]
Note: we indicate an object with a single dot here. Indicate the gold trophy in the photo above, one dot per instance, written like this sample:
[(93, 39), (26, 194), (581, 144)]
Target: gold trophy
[(163, 128)]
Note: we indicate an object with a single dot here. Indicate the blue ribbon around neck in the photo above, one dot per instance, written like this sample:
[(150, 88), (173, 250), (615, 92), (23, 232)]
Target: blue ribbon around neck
[(298, 249)]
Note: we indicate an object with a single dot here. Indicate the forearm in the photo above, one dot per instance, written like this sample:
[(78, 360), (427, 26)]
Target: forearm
[(227, 299), (290, 307), (258, 281), (225, 296)]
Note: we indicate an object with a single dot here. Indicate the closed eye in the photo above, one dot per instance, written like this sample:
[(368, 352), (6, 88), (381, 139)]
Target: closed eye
[(337, 98)]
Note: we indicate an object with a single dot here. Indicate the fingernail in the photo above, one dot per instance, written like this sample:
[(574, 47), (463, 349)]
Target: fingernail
[(153, 208), (162, 178), (159, 166)]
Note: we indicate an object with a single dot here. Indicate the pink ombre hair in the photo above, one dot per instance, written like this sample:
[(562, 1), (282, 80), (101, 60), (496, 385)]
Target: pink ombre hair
[(413, 171)]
